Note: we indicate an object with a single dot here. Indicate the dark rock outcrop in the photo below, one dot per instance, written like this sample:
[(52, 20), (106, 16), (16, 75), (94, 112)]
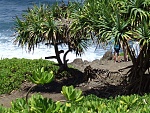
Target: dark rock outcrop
[(107, 56), (78, 61)]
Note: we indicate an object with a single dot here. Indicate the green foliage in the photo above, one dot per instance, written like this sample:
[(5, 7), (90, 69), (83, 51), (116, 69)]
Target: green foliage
[(19, 105), (120, 104), (89, 104), (72, 94), (50, 25), (36, 104), (40, 76), (4, 110), (14, 71)]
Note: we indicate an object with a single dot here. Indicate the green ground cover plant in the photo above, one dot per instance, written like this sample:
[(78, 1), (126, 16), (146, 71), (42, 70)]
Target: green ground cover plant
[(15, 71), (89, 104)]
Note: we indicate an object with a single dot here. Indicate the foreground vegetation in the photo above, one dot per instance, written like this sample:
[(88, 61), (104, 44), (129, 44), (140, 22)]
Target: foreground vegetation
[(14, 71), (86, 104)]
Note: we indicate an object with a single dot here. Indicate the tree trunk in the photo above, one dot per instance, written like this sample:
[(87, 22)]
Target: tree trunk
[(58, 55), (64, 59), (62, 65), (139, 76)]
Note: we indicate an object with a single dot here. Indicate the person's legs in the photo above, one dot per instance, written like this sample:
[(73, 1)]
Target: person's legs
[(124, 52), (118, 57), (114, 56), (127, 57)]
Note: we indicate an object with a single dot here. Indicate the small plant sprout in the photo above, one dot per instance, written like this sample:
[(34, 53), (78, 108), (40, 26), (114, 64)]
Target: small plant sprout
[(72, 94), (40, 77)]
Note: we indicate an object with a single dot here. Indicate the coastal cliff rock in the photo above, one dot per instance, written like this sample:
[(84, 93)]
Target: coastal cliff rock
[(107, 56)]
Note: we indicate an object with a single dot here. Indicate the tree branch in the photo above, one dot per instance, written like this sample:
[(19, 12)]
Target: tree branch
[(50, 57)]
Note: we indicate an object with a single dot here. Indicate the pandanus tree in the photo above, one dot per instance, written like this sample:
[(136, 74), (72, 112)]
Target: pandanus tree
[(51, 25), (139, 73), (139, 11), (132, 23), (125, 20)]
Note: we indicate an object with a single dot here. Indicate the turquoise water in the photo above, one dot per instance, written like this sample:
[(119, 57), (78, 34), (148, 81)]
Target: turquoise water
[(9, 9)]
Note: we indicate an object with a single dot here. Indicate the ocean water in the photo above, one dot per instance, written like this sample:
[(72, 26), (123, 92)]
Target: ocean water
[(11, 8)]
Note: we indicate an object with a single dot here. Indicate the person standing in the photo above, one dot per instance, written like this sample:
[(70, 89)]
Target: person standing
[(136, 48), (117, 47), (125, 52)]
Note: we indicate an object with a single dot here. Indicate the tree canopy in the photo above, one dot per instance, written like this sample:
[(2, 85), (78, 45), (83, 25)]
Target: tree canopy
[(51, 25)]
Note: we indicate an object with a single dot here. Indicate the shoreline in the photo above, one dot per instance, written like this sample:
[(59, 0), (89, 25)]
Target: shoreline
[(101, 64)]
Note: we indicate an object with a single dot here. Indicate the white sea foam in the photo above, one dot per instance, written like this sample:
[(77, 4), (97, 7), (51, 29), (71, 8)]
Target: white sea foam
[(9, 50)]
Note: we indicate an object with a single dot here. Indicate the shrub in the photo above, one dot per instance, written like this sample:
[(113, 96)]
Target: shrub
[(14, 71), (89, 104)]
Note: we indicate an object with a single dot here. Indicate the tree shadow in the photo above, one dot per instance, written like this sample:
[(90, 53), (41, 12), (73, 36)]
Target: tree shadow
[(106, 91), (74, 78)]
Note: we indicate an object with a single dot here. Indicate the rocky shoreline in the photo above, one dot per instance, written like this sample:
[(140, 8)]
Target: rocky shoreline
[(106, 63)]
